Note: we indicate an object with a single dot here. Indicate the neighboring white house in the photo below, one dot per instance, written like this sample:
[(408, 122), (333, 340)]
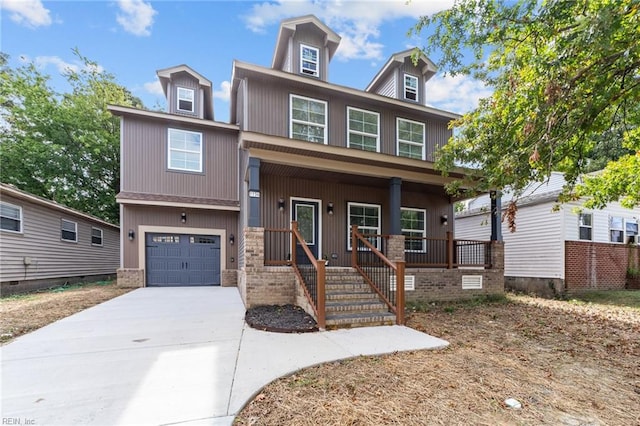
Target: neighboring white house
[(557, 250)]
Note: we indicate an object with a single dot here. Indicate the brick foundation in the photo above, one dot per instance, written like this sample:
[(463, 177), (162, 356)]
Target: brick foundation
[(229, 278), (446, 284), (130, 278), (545, 287)]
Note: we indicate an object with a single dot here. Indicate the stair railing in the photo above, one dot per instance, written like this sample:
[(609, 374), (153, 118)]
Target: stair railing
[(311, 272), (385, 277)]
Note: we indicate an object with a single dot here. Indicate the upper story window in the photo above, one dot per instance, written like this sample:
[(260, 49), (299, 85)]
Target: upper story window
[(185, 150), (308, 119), (10, 217), (411, 87), (367, 217), (363, 129), (96, 236), (585, 221), (185, 99), (412, 222), (68, 230), (309, 61), (410, 138)]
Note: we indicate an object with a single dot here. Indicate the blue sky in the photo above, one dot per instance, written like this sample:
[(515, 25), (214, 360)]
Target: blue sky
[(134, 38)]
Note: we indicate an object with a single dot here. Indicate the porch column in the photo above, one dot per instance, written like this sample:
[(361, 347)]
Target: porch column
[(254, 192), (496, 212), (395, 192)]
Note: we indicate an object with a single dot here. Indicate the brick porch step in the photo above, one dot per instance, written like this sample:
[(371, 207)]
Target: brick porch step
[(350, 295), (359, 320), (356, 306)]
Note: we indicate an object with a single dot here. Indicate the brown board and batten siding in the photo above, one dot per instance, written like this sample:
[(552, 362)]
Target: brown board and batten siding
[(269, 114), (135, 216), (186, 81), (145, 156), (312, 36), (334, 227), (49, 257)]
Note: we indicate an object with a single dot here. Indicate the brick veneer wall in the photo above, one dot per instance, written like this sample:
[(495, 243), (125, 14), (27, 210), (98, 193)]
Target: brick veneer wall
[(130, 278), (596, 266)]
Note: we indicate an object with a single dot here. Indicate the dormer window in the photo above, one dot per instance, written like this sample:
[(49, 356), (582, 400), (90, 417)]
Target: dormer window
[(185, 99), (411, 87), (309, 61)]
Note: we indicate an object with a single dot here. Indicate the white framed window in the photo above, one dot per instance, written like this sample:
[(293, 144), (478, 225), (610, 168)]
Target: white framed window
[(631, 230), (412, 223), (96, 236), (309, 60), (411, 87), (184, 150), (616, 229), (10, 217), (308, 119), (363, 129), (68, 231), (367, 217), (410, 138), (585, 226), (185, 99)]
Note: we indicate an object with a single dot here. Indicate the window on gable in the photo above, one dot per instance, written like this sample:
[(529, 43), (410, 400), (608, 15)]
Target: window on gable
[(96, 236), (68, 230), (411, 87), (585, 221), (410, 135), (309, 60), (363, 129), (308, 119), (413, 228), (185, 99), (185, 150), (10, 217), (367, 217)]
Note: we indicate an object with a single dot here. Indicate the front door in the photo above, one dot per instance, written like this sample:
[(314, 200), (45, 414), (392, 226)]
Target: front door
[(306, 212)]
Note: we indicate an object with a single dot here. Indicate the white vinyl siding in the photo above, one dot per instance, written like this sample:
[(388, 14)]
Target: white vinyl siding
[(308, 120), (367, 217), (413, 225), (410, 137), (10, 217), (96, 236), (363, 128), (309, 60), (185, 150), (585, 225), (68, 231), (185, 99), (411, 87)]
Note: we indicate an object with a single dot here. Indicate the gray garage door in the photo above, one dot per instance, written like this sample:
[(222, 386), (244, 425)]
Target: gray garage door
[(182, 260)]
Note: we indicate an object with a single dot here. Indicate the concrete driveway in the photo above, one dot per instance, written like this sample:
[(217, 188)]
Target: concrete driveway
[(159, 356)]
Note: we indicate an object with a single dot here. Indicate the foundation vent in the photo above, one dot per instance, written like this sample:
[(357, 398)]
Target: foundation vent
[(409, 283), (471, 282)]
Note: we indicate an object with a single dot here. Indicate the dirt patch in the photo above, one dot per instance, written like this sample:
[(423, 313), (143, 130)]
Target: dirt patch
[(24, 313), (567, 363), (281, 319)]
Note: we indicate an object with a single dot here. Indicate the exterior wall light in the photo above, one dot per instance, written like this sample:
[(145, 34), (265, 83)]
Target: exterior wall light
[(330, 209), (183, 217), (281, 205), (444, 219), (132, 234), (232, 239)]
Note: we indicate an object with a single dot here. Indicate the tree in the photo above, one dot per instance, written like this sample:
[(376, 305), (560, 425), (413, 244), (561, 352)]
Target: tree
[(63, 147), (566, 78)]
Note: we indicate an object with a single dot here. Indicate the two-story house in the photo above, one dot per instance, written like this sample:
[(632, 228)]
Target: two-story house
[(209, 203)]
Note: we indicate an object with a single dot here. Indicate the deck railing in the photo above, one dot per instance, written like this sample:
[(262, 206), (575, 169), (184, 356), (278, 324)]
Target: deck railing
[(423, 252), (385, 277), (311, 273)]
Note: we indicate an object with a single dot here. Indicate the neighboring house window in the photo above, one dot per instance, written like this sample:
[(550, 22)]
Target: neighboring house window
[(10, 217), (68, 230), (363, 129), (413, 225), (631, 231), (367, 217), (185, 150), (185, 99), (616, 229), (308, 119), (411, 87), (309, 60), (96, 236), (585, 226), (410, 135)]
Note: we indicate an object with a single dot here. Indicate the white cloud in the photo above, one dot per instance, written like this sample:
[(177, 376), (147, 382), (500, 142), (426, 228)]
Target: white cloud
[(458, 94), (136, 17), (154, 87), (30, 13), (61, 65), (224, 93), (357, 22)]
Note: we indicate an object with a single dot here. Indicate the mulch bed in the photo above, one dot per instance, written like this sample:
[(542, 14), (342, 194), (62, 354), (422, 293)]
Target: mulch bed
[(280, 319)]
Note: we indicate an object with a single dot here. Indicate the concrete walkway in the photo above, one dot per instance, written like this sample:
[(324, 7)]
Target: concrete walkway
[(159, 356)]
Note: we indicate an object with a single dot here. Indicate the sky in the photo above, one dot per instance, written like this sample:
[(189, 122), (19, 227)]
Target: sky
[(133, 38)]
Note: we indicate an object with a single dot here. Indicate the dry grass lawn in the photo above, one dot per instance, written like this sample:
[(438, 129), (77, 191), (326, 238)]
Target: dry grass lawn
[(22, 314), (568, 363)]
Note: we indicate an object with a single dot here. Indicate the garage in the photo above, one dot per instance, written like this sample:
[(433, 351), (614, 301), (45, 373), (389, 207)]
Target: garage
[(174, 260)]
